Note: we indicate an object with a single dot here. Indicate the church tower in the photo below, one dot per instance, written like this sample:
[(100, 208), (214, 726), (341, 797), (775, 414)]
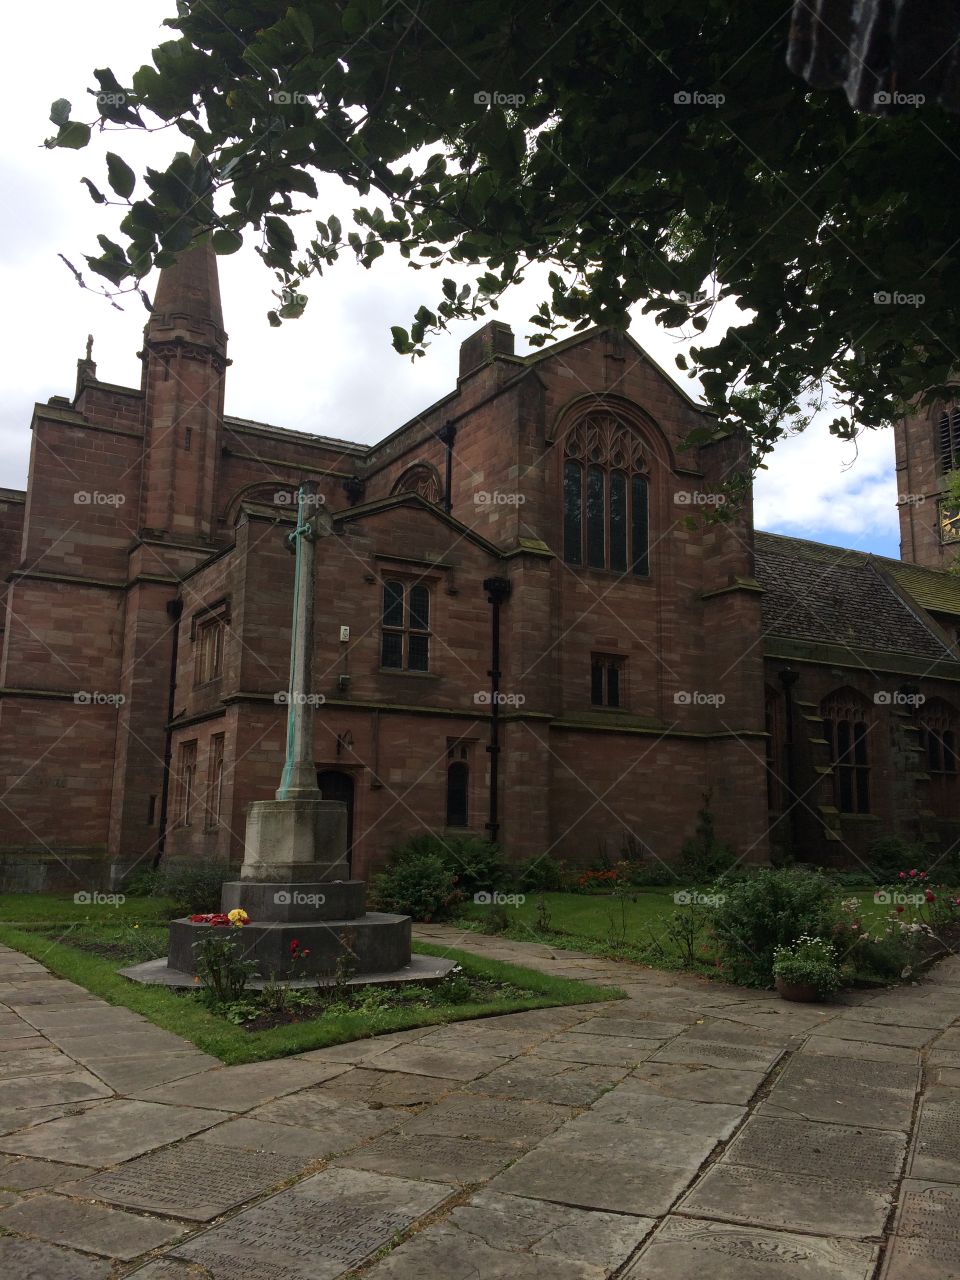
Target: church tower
[(184, 360), (927, 450)]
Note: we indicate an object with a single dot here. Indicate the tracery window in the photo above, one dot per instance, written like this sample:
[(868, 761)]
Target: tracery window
[(846, 727), (605, 497)]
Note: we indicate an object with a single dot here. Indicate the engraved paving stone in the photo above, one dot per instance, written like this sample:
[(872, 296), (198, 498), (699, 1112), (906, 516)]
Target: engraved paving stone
[(316, 1230), (196, 1180), (831, 1150), (936, 1153), (926, 1243), (681, 1250), (878, 1095), (457, 1161)]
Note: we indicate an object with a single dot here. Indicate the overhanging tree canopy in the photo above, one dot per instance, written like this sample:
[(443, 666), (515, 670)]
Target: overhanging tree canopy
[(647, 152)]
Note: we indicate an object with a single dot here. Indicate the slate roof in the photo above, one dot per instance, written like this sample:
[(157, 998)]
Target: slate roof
[(831, 595), (935, 590)]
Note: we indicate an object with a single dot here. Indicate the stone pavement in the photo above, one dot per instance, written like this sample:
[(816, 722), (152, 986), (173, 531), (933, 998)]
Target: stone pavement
[(691, 1129)]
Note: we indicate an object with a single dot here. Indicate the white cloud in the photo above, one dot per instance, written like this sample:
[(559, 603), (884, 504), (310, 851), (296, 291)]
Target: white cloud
[(333, 372)]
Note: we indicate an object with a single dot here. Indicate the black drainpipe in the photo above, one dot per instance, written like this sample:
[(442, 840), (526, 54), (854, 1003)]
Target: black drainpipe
[(174, 611), (788, 678), (446, 435), (498, 590)]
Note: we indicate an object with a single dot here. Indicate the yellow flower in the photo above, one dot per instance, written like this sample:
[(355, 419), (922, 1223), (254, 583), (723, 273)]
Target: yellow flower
[(238, 916)]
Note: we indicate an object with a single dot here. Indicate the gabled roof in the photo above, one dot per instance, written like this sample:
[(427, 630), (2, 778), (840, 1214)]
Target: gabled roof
[(827, 595), (932, 588)]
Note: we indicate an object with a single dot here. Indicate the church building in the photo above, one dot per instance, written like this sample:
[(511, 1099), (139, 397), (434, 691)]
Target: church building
[(527, 625)]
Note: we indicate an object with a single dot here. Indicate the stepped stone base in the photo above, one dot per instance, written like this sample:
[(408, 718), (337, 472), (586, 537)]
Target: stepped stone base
[(422, 970)]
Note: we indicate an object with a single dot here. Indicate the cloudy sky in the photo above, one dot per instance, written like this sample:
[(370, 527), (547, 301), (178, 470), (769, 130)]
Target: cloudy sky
[(333, 371)]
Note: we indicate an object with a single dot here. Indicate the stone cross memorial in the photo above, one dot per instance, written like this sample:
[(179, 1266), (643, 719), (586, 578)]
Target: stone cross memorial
[(294, 882)]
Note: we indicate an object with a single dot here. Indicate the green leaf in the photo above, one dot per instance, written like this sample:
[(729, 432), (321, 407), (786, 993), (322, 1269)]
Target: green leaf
[(279, 235), (95, 195), (60, 111), (73, 135), (274, 320), (401, 339), (120, 175), (301, 20), (225, 241)]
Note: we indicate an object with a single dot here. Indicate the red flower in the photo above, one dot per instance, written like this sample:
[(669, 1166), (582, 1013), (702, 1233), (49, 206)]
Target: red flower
[(294, 944), (899, 911), (903, 875), (198, 919), (913, 872), (305, 952), (929, 896)]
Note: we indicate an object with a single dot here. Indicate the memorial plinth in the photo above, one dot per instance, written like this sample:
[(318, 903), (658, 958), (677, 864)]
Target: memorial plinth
[(308, 920)]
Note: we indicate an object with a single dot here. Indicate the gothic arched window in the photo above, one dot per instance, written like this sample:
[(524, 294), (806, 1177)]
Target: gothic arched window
[(938, 741), (458, 779), (605, 497), (846, 726)]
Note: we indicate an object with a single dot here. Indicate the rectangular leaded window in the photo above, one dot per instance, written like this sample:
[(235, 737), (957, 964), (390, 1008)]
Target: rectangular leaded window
[(606, 680), (405, 627), (187, 782)]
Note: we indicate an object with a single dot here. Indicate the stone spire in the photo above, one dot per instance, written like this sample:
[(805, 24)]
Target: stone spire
[(187, 301)]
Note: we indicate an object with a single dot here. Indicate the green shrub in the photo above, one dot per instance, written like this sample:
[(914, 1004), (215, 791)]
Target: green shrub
[(768, 909), (889, 855), (704, 856), (145, 882), (475, 862), (193, 886), (416, 884), (540, 875)]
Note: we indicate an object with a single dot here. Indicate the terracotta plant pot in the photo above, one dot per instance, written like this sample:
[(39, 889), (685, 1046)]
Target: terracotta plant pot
[(803, 992)]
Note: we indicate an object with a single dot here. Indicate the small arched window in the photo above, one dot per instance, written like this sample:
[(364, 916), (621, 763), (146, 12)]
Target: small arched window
[(605, 497), (405, 626), (846, 727), (948, 439), (458, 785)]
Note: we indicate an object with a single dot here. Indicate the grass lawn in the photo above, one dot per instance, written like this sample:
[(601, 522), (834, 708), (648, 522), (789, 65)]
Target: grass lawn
[(88, 950)]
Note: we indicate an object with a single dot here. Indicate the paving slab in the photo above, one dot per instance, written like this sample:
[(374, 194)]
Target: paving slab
[(630, 1028), (243, 1087), (194, 1180), (926, 1242), (876, 1095), (455, 1161), (787, 1201), (548, 1080), (936, 1149), (849, 1028), (335, 1124), (638, 1104), (323, 1226), (595, 1182), (91, 1227), (699, 1083), (303, 1144), (34, 1062), (51, 1090), (682, 1249), (834, 1047), (15, 1119), (906, 1013), (23, 1174), (841, 1152), (34, 1260), (387, 1088), (718, 1053), (141, 1042), (520, 1124), (111, 1132), (132, 1076), (598, 1050), (448, 1064)]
